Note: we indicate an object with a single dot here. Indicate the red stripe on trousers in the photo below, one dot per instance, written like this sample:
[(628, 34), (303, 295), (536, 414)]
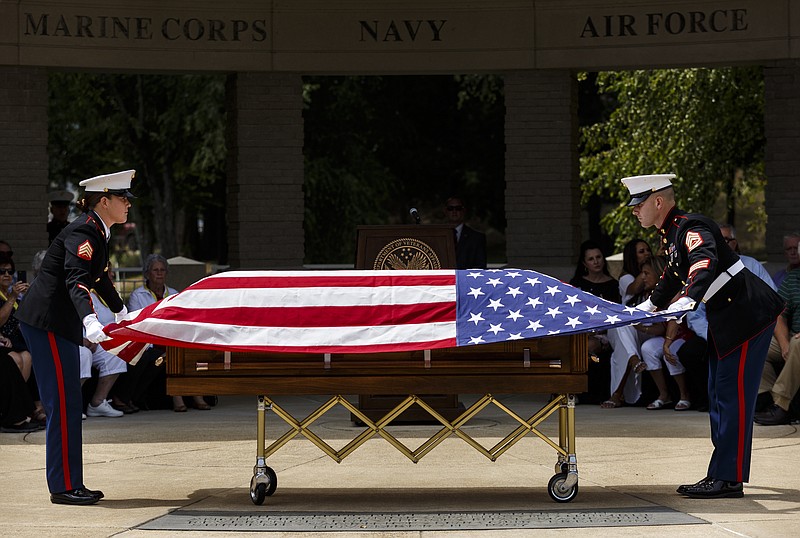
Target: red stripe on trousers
[(62, 400), (742, 403)]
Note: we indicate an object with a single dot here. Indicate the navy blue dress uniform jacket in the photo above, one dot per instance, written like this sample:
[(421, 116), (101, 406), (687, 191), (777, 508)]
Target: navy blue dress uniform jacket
[(696, 255), (76, 262)]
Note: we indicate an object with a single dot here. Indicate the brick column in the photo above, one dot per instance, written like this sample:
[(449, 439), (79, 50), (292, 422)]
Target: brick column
[(782, 160), (23, 161), (542, 192), (265, 171)]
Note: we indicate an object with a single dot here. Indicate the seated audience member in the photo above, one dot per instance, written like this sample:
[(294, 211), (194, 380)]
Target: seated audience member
[(755, 266), (665, 348), (626, 362), (16, 405), (781, 374), (17, 349), (155, 289), (108, 366), (591, 275), (790, 245), (631, 282)]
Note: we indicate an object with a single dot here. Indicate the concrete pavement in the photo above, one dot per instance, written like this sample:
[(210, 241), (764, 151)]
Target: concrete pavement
[(155, 462)]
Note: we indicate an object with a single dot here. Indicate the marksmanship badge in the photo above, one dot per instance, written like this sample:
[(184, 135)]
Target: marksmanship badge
[(407, 253)]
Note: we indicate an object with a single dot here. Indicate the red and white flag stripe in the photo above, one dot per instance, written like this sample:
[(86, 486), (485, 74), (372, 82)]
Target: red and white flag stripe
[(308, 311)]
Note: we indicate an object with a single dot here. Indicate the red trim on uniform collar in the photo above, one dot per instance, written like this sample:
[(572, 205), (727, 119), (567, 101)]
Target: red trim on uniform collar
[(99, 225), (671, 216)]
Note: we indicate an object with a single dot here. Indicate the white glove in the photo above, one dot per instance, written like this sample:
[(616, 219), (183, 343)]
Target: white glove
[(119, 316), (681, 304), (94, 329), (647, 306)]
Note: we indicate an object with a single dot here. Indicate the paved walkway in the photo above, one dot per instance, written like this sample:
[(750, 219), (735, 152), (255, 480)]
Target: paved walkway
[(153, 463)]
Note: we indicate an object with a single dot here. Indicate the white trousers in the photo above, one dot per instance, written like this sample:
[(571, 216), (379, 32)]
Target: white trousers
[(105, 362), (653, 354), (626, 342)]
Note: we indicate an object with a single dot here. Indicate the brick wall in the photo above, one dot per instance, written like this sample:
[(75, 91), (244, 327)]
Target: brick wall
[(23, 161), (542, 193), (782, 160), (265, 171)]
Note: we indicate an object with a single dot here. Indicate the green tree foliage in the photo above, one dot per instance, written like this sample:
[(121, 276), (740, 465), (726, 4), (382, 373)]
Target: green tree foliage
[(705, 125), (170, 129), (376, 146)]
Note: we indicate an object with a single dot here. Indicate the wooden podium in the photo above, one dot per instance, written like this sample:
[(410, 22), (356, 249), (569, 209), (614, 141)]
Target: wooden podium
[(413, 246)]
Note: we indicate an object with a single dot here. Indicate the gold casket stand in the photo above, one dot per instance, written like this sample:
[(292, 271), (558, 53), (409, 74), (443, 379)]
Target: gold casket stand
[(554, 365)]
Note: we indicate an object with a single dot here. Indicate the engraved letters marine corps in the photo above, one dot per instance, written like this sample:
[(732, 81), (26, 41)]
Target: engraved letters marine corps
[(407, 253)]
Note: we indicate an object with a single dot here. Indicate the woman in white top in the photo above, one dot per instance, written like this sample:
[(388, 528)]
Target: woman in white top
[(631, 281), (155, 289)]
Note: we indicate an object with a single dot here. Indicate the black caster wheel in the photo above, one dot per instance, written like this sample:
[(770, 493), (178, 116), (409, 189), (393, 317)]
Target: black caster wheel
[(558, 496), (273, 482), (258, 493)]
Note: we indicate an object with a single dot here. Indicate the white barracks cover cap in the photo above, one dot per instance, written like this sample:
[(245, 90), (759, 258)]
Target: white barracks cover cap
[(118, 183), (640, 187)]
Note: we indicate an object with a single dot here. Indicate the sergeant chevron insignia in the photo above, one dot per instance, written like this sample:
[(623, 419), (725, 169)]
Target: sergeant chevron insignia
[(693, 240), (85, 250)]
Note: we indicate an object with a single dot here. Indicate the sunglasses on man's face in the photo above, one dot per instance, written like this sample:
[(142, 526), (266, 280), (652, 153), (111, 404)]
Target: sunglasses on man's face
[(455, 208), (6, 271)]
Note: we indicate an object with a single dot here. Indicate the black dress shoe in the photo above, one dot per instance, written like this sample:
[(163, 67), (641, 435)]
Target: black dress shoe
[(714, 489), (683, 488), (774, 416), (96, 492), (75, 496)]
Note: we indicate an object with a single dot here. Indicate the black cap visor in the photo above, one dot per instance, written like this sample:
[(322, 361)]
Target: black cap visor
[(637, 199), (121, 192)]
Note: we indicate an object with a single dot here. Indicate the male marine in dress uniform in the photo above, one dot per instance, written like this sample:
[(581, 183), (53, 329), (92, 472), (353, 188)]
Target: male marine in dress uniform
[(741, 311)]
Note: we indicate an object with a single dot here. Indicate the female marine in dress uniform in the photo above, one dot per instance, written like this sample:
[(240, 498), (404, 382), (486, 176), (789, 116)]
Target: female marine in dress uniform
[(56, 310)]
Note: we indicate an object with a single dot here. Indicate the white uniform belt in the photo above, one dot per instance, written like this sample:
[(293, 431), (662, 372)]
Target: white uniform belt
[(722, 279)]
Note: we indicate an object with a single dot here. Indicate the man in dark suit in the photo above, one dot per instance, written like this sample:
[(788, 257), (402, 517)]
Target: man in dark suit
[(470, 243)]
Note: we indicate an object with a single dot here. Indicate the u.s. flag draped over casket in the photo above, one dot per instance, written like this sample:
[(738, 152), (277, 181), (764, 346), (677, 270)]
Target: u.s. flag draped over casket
[(367, 311)]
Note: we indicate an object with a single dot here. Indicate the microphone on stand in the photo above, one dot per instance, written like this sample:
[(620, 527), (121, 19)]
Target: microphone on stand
[(414, 213)]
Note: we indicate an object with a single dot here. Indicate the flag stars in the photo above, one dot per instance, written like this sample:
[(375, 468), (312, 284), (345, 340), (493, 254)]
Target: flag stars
[(495, 282), (573, 322), (476, 340), (514, 315), (513, 274), (513, 292), (534, 302), (572, 299), (612, 319), (553, 311), (475, 292), (475, 318), (534, 325), (533, 281), (496, 328), (475, 275), (592, 310), (515, 336), (552, 290), (495, 304)]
